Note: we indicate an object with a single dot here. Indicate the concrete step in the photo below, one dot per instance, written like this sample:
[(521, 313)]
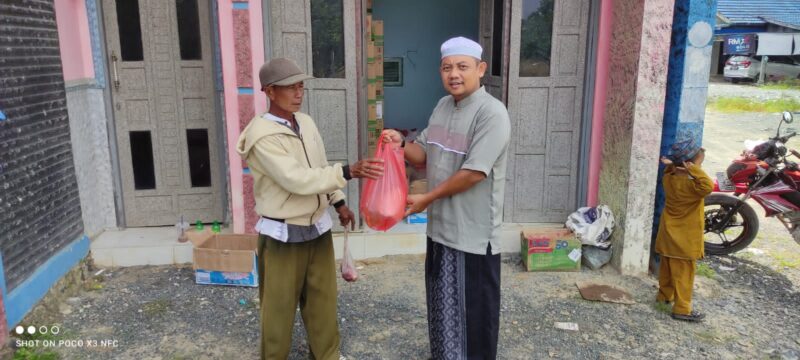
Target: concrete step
[(140, 246), (160, 246)]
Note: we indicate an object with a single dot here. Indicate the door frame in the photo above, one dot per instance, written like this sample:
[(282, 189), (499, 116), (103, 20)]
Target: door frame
[(582, 114), (352, 82), (589, 83), (488, 52), (219, 121)]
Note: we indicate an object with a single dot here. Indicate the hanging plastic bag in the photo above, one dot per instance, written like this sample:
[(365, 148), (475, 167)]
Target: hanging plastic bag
[(592, 225), (383, 201), (348, 266)]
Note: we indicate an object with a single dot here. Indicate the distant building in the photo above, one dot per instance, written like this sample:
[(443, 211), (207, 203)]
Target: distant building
[(750, 17)]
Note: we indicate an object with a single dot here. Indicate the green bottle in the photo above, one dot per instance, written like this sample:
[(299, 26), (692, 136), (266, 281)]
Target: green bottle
[(215, 227), (198, 225)]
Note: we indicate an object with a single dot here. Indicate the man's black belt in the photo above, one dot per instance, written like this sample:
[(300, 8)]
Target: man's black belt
[(278, 220)]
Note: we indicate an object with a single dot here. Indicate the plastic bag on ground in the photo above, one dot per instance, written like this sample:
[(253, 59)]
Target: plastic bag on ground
[(383, 201), (348, 266), (592, 225)]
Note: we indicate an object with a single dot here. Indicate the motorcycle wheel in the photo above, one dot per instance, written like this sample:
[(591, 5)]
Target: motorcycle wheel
[(740, 231)]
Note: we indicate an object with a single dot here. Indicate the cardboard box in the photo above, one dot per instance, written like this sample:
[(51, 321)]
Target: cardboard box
[(368, 27), (418, 187), (550, 249), (225, 259), (370, 57), (419, 218), (372, 111), (377, 32), (372, 91)]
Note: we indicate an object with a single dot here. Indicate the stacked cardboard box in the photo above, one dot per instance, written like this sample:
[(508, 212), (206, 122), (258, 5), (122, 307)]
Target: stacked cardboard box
[(414, 188), (374, 80)]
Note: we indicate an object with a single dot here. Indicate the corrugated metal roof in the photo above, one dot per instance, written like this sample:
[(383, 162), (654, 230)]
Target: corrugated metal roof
[(791, 21), (741, 12)]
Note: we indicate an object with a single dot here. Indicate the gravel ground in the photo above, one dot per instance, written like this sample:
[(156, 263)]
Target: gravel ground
[(159, 313)]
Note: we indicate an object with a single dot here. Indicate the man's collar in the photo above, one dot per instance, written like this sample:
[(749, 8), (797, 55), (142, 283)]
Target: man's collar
[(294, 127), (470, 98), (276, 119)]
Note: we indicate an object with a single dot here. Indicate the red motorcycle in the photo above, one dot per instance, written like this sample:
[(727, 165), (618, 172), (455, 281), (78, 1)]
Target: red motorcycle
[(764, 175)]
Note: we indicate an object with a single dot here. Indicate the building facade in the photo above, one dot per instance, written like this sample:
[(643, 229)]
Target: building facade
[(139, 104)]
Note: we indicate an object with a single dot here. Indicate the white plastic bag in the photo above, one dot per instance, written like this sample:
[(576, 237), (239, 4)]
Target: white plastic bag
[(348, 266), (750, 145), (592, 225)]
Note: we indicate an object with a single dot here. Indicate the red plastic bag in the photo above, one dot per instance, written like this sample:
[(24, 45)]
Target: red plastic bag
[(348, 266), (383, 201)]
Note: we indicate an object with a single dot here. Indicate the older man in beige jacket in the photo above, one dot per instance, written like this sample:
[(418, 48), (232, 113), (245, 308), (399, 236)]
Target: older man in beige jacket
[(293, 187)]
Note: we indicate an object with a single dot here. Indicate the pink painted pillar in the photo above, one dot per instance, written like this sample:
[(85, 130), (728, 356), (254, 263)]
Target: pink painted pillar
[(598, 109), (634, 111), (74, 40), (3, 322), (242, 50), (257, 53), (230, 91)]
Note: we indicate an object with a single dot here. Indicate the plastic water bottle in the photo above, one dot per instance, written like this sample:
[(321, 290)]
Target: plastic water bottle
[(182, 226)]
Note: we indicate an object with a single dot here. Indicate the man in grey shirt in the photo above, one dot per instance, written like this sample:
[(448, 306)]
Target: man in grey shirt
[(464, 148)]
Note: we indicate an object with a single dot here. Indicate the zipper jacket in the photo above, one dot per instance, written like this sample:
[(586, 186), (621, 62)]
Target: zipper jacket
[(292, 180)]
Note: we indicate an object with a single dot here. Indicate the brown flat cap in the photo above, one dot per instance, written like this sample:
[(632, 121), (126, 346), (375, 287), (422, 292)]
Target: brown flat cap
[(281, 72)]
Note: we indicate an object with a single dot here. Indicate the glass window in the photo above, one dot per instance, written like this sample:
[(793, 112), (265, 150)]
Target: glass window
[(199, 162), (327, 38), (144, 173), (536, 38), (497, 38), (189, 29), (130, 30)]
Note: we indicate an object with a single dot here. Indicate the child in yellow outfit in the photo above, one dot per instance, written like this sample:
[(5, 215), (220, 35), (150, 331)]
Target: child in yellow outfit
[(680, 231)]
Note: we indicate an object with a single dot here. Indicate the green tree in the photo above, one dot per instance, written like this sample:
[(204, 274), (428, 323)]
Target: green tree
[(327, 38), (537, 36)]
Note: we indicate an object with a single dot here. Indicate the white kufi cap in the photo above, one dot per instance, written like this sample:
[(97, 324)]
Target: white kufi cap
[(461, 46)]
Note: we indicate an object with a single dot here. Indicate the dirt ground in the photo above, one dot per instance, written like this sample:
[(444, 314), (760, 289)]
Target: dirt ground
[(159, 313), (751, 300)]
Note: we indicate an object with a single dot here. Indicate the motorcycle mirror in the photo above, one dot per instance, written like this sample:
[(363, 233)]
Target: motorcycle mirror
[(787, 117)]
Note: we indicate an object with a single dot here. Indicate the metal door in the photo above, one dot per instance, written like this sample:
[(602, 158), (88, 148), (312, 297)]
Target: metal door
[(545, 99), (162, 88), (319, 35), (493, 30)]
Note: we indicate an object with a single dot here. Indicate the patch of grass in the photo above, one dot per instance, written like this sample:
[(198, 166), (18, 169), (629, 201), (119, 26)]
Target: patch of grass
[(706, 336), (37, 353), (744, 255), (156, 307), (662, 307), (704, 270), (790, 84), (740, 104), (783, 261), (179, 357), (713, 337), (93, 284)]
